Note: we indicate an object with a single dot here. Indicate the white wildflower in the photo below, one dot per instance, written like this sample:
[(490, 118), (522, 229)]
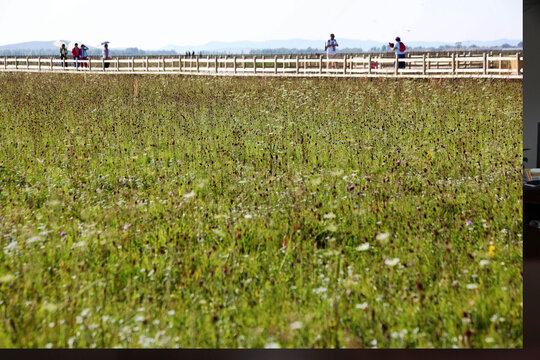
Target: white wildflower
[(189, 195), (363, 247), (33, 239), (272, 345), (392, 262), (319, 290), (7, 278), (382, 236), (472, 286), (11, 247), (484, 263), (296, 325), (361, 306)]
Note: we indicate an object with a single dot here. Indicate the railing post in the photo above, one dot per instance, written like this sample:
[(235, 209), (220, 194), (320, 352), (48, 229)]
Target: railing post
[(197, 64), (39, 63), (484, 64), (103, 64), (500, 64), (234, 64), (424, 63), (320, 63), (117, 64), (275, 64), (345, 65), (216, 64), (180, 64), (396, 65), (77, 64), (146, 65), (255, 64), (263, 63), (163, 63), (132, 64), (244, 62), (517, 63), (89, 63), (51, 63), (297, 65), (16, 63), (5, 63), (453, 63), (27, 64), (369, 64)]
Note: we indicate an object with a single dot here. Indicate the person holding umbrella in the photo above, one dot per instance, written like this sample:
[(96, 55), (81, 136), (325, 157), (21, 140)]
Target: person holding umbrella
[(106, 53), (76, 55)]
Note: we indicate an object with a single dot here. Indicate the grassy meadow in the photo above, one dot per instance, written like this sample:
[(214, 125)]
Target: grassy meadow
[(175, 211)]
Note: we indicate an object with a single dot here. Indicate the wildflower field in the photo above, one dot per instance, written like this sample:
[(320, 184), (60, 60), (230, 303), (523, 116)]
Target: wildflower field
[(174, 211)]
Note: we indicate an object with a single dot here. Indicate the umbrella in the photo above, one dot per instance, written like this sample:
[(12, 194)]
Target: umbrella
[(105, 42), (60, 42)]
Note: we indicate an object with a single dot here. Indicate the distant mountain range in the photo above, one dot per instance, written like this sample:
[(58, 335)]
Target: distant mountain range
[(36, 45), (247, 46)]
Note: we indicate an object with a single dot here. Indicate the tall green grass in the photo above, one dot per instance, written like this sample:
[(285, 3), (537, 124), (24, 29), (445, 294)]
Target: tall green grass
[(173, 211)]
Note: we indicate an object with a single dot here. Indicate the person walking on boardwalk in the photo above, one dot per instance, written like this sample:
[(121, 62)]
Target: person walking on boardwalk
[(76, 55), (83, 54), (331, 51), (399, 48), (63, 55), (106, 54)]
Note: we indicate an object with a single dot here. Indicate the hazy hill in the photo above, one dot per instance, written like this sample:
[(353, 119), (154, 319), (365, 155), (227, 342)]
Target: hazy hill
[(33, 47), (246, 46)]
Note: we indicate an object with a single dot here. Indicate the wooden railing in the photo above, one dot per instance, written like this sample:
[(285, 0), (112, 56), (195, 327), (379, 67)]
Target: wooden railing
[(365, 65)]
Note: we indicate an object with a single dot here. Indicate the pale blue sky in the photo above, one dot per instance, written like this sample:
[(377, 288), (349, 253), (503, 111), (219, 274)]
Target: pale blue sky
[(152, 24)]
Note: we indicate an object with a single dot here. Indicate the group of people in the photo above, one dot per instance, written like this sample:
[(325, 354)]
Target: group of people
[(81, 53), (331, 50)]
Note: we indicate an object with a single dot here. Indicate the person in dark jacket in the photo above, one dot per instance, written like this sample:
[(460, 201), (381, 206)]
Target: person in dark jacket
[(63, 55)]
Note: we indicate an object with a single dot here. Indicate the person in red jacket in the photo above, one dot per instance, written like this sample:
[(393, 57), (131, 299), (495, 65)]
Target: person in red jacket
[(76, 55)]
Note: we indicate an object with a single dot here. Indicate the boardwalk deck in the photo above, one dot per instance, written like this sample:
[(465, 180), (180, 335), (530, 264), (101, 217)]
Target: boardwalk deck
[(369, 65)]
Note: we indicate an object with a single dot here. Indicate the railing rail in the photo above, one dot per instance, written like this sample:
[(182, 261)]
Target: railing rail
[(367, 65)]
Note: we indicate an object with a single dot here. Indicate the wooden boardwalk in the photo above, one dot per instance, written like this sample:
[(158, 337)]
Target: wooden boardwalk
[(426, 65)]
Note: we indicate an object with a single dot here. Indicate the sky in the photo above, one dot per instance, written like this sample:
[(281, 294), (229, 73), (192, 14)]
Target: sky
[(152, 24)]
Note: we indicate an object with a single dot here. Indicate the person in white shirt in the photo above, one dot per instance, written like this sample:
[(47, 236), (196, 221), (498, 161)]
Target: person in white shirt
[(331, 51)]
